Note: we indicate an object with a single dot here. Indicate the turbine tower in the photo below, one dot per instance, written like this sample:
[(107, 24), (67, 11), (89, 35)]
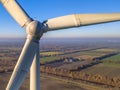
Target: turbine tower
[(29, 56)]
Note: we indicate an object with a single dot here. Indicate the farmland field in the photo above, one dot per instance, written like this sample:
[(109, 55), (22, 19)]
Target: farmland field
[(104, 69), (86, 55), (46, 83), (69, 65), (114, 59), (50, 53), (107, 50)]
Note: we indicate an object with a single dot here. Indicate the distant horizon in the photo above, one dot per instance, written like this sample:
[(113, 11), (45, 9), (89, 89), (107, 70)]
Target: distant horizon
[(63, 38)]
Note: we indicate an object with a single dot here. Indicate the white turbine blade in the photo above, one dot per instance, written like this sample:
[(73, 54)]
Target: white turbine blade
[(16, 12), (35, 72), (80, 20), (23, 65)]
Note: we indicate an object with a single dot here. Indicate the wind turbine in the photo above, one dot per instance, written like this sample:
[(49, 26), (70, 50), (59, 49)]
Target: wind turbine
[(29, 56)]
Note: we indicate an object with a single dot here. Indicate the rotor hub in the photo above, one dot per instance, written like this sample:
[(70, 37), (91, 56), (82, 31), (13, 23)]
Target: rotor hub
[(35, 29)]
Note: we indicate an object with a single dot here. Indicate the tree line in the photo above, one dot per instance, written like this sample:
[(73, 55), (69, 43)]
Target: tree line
[(96, 78)]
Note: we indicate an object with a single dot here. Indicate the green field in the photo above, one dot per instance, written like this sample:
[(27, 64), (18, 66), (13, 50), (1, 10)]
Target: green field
[(109, 67), (49, 59), (51, 53), (115, 58)]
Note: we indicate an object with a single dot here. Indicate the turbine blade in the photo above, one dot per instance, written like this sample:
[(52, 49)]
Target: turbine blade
[(35, 72), (23, 65), (77, 20), (17, 12)]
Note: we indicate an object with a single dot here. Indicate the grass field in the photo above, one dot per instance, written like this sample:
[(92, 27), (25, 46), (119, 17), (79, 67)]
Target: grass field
[(111, 70), (49, 59), (105, 68), (106, 50), (115, 58), (51, 53)]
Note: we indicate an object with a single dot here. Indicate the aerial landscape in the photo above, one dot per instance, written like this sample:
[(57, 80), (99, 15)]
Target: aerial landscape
[(80, 64), (60, 45)]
